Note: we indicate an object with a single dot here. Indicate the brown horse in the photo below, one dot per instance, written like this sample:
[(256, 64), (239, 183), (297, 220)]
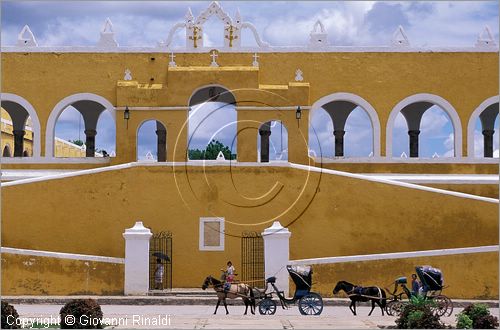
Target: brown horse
[(236, 290)]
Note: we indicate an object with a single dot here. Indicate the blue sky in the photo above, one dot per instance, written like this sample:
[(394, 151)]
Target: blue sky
[(347, 23)]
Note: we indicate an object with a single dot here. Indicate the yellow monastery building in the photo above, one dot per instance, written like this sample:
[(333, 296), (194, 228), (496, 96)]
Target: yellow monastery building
[(382, 214)]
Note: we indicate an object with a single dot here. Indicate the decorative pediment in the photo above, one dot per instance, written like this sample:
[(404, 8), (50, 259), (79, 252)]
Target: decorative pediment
[(213, 10), (194, 28)]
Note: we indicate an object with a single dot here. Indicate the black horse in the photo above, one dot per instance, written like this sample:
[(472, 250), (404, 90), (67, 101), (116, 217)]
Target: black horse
[(358, 293), (236, 290)]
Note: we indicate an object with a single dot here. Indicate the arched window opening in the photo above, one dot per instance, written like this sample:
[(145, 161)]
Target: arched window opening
[(341, 129), (423, 129), (486, 133), (212, 124), (272, 142), (152, 141)]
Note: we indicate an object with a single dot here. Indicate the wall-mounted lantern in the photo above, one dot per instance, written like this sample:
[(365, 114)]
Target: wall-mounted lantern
[(126, 114), (298, 113)]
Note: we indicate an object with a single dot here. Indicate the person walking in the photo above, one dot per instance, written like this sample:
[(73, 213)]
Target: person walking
[(159, 275)]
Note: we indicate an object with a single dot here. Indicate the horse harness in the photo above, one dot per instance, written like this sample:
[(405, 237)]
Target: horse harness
[(358, 292)]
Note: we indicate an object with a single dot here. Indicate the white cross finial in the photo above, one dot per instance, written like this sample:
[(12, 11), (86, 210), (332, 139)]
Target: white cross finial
[(172, 61), (214, 58), (255, 57), (128, 75)]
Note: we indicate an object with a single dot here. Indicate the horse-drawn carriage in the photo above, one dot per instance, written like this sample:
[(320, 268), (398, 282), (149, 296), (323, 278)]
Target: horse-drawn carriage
[(309, 303), (432, 286)]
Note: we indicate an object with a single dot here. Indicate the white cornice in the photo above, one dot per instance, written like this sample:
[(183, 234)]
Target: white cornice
[(276, 49)]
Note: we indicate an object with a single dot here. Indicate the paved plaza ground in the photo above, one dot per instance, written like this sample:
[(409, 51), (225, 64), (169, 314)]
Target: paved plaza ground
[(201, 317)]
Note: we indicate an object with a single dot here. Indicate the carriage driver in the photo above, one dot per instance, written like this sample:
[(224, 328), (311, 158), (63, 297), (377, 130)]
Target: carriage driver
[(228, 275)]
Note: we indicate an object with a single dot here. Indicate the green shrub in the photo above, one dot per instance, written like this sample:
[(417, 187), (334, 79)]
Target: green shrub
[(486, 322), (480, 317), (9, 316), (464, 321), (81, 314), (418, 315)]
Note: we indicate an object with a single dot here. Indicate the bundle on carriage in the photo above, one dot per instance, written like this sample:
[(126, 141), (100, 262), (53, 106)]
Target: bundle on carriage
[(309, 303), (432, 286)]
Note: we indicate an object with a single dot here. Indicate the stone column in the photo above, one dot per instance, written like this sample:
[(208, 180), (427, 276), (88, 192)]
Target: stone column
[(488, 142), (339, 142), (90, 142), (277, 254), (264, 145), (413, 142), (137, 259), (162, 145), (18, 142)]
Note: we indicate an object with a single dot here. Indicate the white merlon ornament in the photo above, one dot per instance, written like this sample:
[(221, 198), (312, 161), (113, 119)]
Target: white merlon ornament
[(220, 156), (149, 156), (318, 36), (107, 35), (485, 38), (172, 63), (214, 59), (399, 38), (435, 155), (404, 155), (26, 38), (128, 75), (298, 75), (255, 62)]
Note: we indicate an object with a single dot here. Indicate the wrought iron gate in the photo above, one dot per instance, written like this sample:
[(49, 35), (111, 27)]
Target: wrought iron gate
[(160, 247), (252, 259)]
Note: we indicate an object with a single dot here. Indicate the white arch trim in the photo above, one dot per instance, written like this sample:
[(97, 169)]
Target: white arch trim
[(34, 118), (61, 106), (472, 123), (358, 100), (431, 98)]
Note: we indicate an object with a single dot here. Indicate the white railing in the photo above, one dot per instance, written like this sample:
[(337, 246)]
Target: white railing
[(61, 255), (396, 255)]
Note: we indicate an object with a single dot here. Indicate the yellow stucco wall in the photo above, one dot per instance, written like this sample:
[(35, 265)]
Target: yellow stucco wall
[(383, 79), (468, 276), (34, 275), (328, 215)]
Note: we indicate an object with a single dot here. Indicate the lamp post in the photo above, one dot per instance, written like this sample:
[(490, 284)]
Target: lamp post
[(126, 114)]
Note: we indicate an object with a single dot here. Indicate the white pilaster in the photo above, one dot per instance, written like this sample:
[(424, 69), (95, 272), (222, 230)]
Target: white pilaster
[(137, 259), (277, 254)]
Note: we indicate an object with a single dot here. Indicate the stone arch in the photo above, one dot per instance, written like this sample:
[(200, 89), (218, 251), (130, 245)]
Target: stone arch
[(264, 133), (161, 141), (200, 115), (472, 122), (7, 152), (34, 119), (62, 105), (358, 101), (426, 98)]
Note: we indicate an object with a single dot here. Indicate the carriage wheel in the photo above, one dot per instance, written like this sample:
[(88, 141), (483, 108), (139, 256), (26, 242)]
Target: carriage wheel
[(267, 307), (311, 304), (443, 306), (394, 307)]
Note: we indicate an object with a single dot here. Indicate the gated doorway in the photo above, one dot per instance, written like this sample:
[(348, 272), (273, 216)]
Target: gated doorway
[(160, 247), (252, 259)]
